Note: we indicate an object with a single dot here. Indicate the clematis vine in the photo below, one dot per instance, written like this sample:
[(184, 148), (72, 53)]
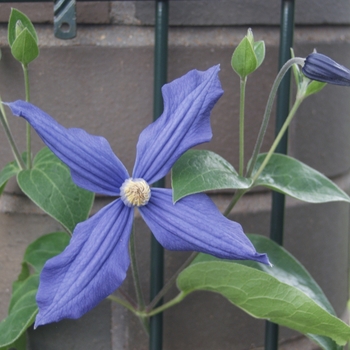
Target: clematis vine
[(322, 68), (95, 263)]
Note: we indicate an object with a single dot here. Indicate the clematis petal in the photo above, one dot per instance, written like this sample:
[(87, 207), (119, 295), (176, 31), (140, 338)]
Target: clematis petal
[(184, 123), (195, 223), (322, 68), (89, 269), (90, 158)]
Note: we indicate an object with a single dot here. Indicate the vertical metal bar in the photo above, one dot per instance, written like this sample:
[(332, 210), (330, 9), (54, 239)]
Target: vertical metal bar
[(282, 110), (160, 78)]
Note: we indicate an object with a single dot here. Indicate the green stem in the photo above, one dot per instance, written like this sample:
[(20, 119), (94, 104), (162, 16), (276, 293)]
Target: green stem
[(28, 128), (269, 105), (171, 281), (243, 83), (135, 273), (238, 194), (123, 303), (10, 138), (142, 317), (165, 306), (291, 114)]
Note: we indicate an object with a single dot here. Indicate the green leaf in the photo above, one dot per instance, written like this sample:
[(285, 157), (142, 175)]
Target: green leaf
[(289, 270), (19, 344), (294, 178), (314, 87), (24, 274), (44, 248), (244, 60), (24, 48), (259, 49), (22, 312), (10, 169), (324, 342), (16, 16), (23, 308), (197, 171), (19, 28), (284, 294), (49, 185)]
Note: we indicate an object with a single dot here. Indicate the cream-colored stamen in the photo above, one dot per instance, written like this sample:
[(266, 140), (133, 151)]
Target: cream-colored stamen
[(135, 192)]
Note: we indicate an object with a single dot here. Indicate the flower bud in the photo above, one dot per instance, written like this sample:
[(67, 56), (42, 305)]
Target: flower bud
[(19, 28), (322, 68)]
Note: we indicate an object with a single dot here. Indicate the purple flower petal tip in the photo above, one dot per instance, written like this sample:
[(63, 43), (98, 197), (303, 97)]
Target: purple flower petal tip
[(185, 123), (194, 223), (322, 68)]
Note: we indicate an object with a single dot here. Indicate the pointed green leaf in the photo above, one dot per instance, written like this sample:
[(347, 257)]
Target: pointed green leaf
[(285, 293), (198, 170), (10, 169), (24, 274), (244, 60), (294, 178), (19, 28), (49, 185), (44, 248), (23, 308), (29, 284), (296, 71), (25, 49), (22, 312), (259, 49), (16, 16), (314, 87), (250, 36)]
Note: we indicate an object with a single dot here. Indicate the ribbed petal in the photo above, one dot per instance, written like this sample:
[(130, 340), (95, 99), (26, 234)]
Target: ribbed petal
[(194, 223), (89, 269), (322, 68), (90, 158), (184, 123)]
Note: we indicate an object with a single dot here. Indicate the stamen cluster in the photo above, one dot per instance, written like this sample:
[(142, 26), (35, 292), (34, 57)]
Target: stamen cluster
[(135, 192)]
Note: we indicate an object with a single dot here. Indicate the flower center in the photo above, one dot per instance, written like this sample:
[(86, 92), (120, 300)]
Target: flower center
[(135, 192)]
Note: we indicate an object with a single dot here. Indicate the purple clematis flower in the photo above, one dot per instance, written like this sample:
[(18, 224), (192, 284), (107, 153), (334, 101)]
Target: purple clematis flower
[(95, 263), (322, 68)]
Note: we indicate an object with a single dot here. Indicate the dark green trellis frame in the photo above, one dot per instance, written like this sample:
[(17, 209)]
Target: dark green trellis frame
[(65, 28)]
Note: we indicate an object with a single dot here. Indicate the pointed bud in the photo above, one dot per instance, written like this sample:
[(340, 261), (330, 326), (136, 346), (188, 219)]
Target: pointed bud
[(19, 28), (322, 68)]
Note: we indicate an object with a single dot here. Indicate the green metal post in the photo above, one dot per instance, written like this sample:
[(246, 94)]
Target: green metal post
[(282, 110), (160, 78)]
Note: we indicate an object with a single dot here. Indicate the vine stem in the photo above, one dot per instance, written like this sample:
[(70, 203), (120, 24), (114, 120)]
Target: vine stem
[(240, 192), (135, 272), (10, 138), (163, 307), (123, 303), (28, 127), (170, 283), (278, 138), (243, 83), (268, 109)]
